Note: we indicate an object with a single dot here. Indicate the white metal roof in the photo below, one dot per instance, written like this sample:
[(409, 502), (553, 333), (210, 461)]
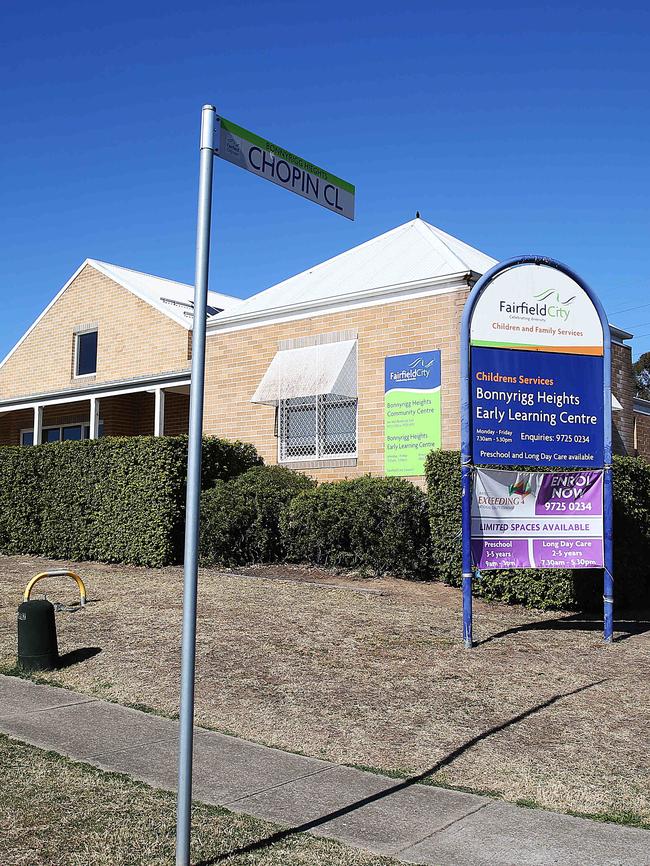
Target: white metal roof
[(411, 253), (175, 300), (327, 368)]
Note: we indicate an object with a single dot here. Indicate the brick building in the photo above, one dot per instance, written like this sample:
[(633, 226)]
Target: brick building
[(110, 355), (297, 369)]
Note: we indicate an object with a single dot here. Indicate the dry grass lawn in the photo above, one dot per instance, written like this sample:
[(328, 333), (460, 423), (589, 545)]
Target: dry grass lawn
[(372, 673), (55, 812)]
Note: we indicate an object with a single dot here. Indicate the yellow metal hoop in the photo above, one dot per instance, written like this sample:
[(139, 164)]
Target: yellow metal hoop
[(61, 573)]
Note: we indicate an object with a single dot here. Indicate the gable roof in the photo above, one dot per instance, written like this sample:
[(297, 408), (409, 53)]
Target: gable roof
[(172, 299), (415, 252), (175, 300)]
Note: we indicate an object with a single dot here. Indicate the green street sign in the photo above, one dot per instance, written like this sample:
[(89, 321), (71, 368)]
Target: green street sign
[(262, 157)]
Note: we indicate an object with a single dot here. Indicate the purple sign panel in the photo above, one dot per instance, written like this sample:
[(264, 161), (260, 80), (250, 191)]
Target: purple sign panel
[(537, 519), (568, 553), (500, 552), (570, 493)]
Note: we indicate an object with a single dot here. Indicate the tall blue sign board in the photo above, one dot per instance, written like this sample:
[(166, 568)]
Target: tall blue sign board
[(535, 391)]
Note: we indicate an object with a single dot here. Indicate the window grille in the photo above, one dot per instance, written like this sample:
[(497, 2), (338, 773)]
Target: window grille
[(317, 427)]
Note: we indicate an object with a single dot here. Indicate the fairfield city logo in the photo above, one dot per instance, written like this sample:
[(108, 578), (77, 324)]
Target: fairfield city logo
[(548, 305), (418, 369)]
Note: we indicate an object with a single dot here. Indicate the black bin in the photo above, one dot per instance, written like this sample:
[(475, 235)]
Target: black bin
[(38, 649)]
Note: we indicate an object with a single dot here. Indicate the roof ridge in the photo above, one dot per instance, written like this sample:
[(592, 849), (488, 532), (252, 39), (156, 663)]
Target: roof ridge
[(431, 232), (442, 235)]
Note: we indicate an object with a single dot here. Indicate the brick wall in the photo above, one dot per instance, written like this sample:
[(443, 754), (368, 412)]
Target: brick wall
[(127, 415), (133, 414), (177, 413), (134, 339), (642, 435), (69, 413), (12, 424), (623, 388), (237, 361)]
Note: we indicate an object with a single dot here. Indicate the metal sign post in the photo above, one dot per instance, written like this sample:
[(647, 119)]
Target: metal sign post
[(235, 144), (536, 391), (188, 649)]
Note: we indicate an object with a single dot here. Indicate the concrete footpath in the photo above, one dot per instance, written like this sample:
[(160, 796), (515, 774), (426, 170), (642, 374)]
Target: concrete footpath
[(412, 822)]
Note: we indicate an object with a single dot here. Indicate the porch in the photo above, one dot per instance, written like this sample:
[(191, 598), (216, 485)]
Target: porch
[(155, 406)]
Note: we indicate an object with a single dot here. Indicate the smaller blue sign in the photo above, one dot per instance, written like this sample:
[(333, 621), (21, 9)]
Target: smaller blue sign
[(536, 408), (420, 370), (412, 416)]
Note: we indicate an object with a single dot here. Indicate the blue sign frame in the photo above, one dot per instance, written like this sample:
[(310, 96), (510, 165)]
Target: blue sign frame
[(467, 443)]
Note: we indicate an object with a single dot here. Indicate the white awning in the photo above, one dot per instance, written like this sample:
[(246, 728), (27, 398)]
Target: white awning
[(616, 406), (330, 368)]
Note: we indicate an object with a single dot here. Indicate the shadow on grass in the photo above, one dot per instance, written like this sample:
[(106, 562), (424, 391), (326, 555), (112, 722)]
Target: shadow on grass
[(74, 657), (274, 838), (576, 622)]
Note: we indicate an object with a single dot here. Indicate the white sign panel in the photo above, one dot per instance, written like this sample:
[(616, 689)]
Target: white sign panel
[(538, 308), (259, 156)]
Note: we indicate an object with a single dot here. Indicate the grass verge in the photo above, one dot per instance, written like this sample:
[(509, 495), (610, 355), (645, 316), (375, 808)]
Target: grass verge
[(57, 812), (628, 819), (372, 673)]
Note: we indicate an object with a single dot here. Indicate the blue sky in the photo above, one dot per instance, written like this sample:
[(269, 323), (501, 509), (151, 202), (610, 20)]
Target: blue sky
[(517, 127)]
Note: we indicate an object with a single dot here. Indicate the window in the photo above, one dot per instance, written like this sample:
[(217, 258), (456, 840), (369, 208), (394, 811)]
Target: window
[(64, 433), (74, 433), (86, 353), (318, 427)]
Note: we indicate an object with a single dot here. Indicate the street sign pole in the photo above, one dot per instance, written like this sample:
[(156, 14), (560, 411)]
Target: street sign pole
[(188, 650), (222, 138)]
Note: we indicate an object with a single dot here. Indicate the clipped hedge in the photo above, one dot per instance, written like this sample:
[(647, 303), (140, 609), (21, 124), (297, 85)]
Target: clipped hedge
[(631, 486), (548, 589), (240, 519), (111, 499), (222, 459), (376, 525)]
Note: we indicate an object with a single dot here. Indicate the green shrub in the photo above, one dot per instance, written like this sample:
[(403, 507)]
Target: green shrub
[(377, 525), (548, 589), (631, 485), (20, 516), (222, 459), (112, 499), (442, 471), (240, 519)]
